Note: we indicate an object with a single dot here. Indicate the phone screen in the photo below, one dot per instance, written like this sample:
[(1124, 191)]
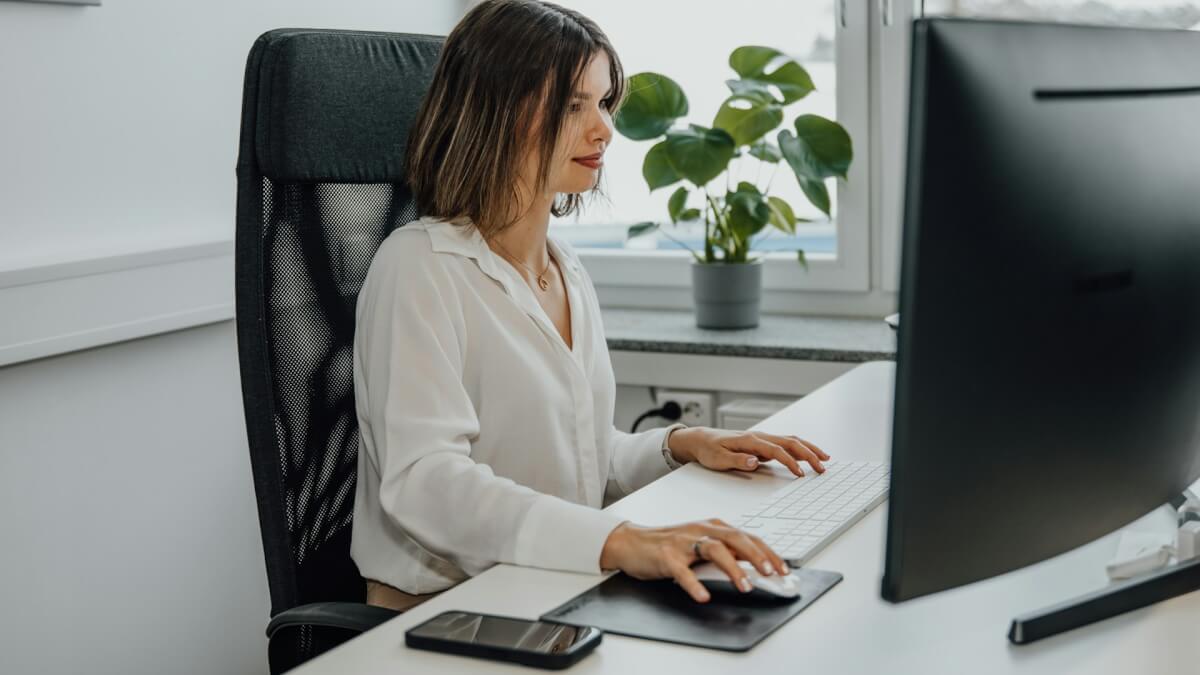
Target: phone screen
[(494, 631)]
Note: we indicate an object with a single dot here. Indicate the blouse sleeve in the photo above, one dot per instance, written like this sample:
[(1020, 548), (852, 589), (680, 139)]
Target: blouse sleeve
[(638, 460), (409, 354)]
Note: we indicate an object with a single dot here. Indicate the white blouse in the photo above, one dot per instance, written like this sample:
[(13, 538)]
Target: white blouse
[(484, 438)]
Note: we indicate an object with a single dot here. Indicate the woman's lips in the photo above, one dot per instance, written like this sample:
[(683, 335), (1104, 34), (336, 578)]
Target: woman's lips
[(590, 162)]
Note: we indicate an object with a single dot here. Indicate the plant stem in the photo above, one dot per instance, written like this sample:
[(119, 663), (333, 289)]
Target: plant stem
[(720, 224), (689, 248), (708, 251), (772, 178), (767, 236)]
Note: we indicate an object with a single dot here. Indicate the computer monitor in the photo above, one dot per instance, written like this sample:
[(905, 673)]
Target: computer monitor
[(1048, 366)]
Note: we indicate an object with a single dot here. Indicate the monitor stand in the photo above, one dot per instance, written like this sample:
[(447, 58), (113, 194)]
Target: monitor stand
[(1111, 601), (1178, 579)]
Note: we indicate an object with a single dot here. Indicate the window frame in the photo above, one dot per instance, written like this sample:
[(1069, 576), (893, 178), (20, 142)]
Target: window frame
[(891, 69)]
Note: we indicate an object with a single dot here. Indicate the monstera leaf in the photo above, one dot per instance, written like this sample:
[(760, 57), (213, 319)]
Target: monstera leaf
[(699, 154), (657, 169), (820, 149), (789, 77), (749, 211), (653, 104), (748, 117)]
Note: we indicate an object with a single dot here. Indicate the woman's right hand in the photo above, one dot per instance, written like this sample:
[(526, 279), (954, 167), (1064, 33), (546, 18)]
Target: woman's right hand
[(668, 552)]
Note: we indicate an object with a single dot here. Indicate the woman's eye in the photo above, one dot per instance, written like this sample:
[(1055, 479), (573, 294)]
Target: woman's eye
[(575, 107)]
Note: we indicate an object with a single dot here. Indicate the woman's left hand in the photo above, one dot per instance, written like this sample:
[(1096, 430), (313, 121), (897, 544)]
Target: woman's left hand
[(723, 450)]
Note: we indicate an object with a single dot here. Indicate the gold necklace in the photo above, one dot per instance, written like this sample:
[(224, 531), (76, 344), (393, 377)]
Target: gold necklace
[(541, 278)]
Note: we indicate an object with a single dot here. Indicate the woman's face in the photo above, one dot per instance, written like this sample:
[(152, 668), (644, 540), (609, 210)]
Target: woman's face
[(585, 136)]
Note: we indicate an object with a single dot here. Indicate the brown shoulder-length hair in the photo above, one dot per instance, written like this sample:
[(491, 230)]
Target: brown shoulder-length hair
[(473, 130)]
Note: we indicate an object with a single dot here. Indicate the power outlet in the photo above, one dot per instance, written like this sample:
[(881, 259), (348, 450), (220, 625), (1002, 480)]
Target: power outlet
[(697, 406)]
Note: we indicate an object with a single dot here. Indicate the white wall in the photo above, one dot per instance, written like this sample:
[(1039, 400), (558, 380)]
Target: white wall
[(129, 532), (126, 116)]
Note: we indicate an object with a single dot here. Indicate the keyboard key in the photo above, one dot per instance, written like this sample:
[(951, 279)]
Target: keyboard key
[(802, 516)]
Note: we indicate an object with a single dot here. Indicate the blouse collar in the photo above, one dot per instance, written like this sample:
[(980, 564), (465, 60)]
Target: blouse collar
[(466, 240)]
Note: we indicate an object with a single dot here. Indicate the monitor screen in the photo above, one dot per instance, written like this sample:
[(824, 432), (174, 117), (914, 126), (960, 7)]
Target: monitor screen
[(1048, 362)]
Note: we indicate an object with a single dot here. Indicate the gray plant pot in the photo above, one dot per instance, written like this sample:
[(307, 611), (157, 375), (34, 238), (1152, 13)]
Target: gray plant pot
[(727, 295)]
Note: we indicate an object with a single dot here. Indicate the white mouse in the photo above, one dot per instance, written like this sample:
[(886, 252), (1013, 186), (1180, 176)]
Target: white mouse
[(773, 587)]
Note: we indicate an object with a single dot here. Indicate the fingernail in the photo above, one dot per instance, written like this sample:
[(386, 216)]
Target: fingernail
[(704, 597), (751, 461), (744, 584), (784, 569)]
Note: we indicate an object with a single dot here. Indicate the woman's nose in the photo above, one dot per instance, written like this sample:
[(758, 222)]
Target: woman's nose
[(603, 131)]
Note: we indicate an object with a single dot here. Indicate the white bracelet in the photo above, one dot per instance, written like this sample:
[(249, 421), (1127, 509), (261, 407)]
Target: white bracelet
[(666, 450)]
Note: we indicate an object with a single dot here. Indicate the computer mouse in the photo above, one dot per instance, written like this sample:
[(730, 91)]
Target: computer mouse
[(774, 588)]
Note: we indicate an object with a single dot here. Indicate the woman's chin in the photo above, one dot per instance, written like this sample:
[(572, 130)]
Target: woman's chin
[(577, 187)]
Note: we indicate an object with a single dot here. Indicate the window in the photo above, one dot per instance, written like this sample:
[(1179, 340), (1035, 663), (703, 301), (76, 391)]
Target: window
[(857, 53), (690, 42)]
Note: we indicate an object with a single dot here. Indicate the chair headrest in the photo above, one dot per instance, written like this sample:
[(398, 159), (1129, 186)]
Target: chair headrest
[(337, 106)]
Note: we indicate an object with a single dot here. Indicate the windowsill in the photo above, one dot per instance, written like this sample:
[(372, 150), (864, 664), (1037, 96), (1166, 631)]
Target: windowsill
[(802, 338), (658, 269)]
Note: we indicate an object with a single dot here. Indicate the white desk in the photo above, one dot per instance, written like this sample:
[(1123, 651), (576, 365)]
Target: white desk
[(850, 629)]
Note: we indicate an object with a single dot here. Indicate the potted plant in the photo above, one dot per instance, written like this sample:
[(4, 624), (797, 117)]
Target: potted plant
[(726, 279)]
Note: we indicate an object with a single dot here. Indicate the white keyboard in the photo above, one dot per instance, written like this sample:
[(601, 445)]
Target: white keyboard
[(802, 517)]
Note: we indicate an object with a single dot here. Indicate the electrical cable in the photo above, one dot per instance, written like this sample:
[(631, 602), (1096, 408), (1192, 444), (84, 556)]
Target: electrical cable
[(670, 412)]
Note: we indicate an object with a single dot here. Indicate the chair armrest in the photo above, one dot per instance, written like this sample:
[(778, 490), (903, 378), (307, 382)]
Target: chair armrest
[(354, 616)]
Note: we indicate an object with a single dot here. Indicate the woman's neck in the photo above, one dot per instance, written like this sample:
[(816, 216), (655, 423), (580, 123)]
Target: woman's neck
[(525, 240)]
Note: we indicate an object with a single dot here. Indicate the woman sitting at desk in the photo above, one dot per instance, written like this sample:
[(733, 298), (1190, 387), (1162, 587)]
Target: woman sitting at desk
[(483, 383)]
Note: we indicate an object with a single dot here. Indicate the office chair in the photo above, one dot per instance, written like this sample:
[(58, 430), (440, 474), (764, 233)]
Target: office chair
[(325, 120)]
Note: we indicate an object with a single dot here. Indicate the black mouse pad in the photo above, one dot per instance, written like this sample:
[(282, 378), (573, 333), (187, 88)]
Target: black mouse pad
[(661, 610)]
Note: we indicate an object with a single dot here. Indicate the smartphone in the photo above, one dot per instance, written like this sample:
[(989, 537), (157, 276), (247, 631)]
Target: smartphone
[(541, 644)]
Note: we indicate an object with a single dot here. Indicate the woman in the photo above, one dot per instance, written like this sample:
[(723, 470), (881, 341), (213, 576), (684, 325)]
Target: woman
[(483, 383)]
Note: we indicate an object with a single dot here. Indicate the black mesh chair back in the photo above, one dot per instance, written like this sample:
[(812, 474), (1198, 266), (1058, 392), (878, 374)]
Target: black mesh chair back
[(325, 121)]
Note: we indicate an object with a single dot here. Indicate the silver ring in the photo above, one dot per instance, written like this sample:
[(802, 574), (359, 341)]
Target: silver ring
[(696, 547)]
